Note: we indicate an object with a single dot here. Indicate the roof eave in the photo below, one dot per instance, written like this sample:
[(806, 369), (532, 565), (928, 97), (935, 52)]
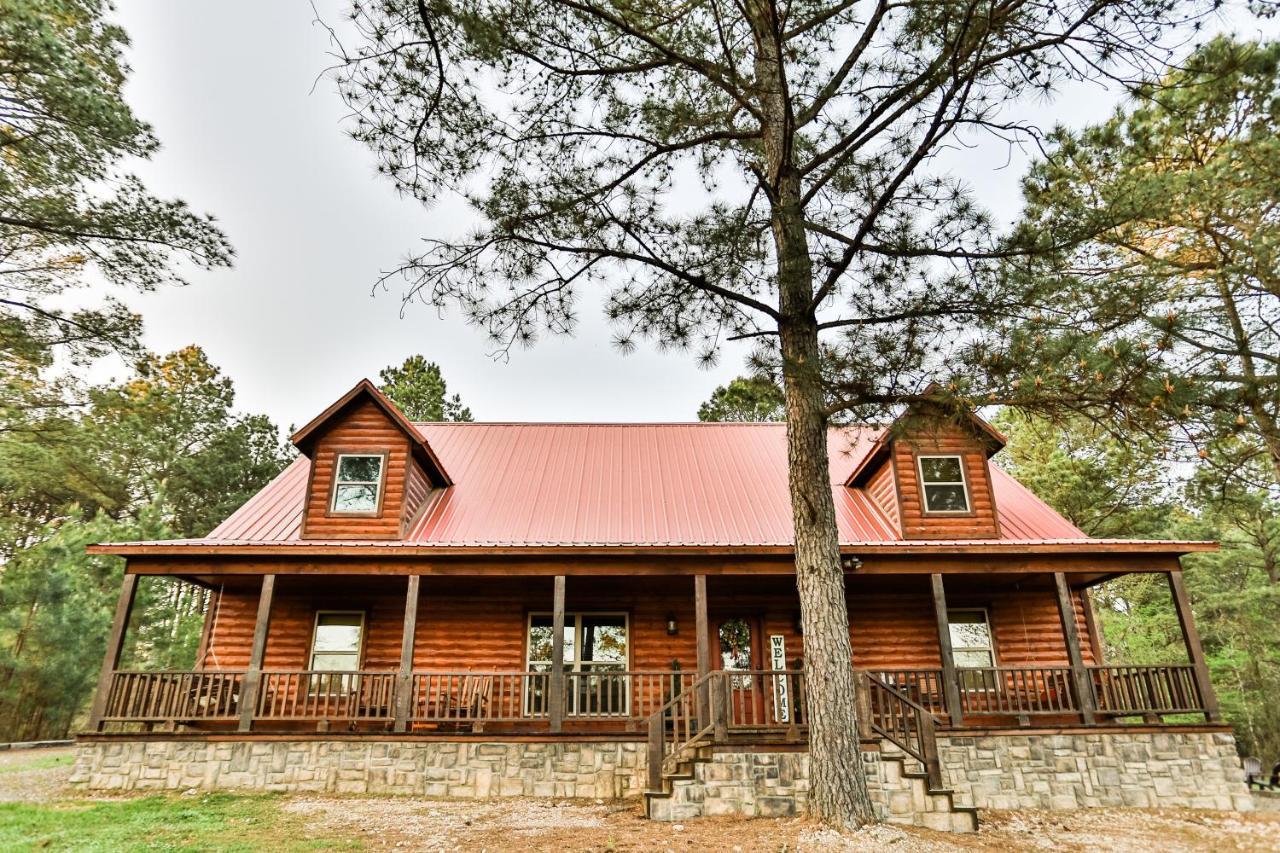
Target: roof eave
[(356, 549)]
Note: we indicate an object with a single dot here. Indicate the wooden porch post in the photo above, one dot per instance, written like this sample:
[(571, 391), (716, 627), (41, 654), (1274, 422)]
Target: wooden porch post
[(253, 677), (115, 644), (1195, 653), (555, 702), (1079, 675), (404, 682), (950, 681), (702, 636)]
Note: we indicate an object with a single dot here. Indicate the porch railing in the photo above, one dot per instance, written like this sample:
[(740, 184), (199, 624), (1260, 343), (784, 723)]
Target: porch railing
[(907, 724), (158, 697), (763, 699), (1017, 691), (312, 695), (922, 686), (440, 697), (1146, 690), (750, 700), (681, 724)]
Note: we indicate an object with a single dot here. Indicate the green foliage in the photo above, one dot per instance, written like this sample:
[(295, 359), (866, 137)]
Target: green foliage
[(160, 455), (214, 822), (694, 166), (69, 211), (1162, 286), (1106, 486), (746, 398), (56, 603), (419, 389), (1129, 487)]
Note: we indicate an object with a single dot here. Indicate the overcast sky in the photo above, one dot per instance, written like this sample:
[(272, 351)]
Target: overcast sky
[(249, 135)]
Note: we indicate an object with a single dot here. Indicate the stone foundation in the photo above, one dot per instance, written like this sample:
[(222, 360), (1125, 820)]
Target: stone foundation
[(1001, 771), (1071, 771), (466, 770)]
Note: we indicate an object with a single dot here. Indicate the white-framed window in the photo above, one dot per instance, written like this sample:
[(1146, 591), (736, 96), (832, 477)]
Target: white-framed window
[(336, 640), (357, 483), (972, 646), (942, 483), (596, 649)]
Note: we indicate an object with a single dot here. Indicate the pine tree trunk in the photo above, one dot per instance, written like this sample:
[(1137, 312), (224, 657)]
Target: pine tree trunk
[(839, 789), (838, 793)]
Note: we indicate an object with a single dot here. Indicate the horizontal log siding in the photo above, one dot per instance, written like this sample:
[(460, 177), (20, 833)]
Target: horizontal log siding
[(1028, 629), (883, 491), (416, 490), (481, 625), (980, 522), (893, 631), (365, 428)]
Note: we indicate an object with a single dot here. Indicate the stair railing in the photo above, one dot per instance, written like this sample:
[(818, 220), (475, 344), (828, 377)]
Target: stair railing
[(683, 721), (903, 722)]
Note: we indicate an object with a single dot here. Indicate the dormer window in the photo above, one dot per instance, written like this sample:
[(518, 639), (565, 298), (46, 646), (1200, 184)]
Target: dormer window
[(357, 488), (942, 484)]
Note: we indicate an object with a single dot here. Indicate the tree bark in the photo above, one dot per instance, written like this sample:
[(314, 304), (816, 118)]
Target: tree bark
[(838, 795)]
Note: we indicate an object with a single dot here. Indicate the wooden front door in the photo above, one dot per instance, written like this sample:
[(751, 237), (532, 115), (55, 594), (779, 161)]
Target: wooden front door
[(737, 646)]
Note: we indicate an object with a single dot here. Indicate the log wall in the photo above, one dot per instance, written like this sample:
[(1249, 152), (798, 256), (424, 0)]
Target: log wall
[(883, 491), (979, 522), (480, 624), (364, 428)]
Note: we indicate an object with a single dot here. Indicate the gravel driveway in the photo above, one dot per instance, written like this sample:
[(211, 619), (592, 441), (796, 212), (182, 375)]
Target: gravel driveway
[(34, 775)]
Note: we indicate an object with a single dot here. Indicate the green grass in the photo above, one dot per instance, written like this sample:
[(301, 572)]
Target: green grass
[(214, 822), (39, 762)]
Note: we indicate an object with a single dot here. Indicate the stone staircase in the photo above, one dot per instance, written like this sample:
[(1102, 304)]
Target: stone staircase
[(725, 780)]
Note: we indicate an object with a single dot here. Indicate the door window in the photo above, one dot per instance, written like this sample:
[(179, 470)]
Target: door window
[(736, 651)]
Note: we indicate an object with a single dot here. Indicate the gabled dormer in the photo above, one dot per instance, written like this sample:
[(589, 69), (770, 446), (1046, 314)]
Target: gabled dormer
[(929, 472), (371, 471)]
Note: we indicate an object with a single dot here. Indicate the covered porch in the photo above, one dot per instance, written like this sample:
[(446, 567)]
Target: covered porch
[(609, 655)]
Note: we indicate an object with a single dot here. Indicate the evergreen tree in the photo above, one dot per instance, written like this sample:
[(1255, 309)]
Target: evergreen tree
[(746, 398), (823, 232), (160, 455), (1168, 245), (70, 212), (419, 389)]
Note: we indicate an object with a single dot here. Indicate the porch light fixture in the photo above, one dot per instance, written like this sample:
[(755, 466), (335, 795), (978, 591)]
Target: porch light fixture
[(671, 624), (851, 564)]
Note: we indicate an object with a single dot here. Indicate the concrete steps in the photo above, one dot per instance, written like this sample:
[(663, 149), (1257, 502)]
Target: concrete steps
[(720, 781)]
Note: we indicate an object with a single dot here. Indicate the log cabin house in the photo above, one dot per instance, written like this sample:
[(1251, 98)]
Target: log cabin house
[(605, 610)]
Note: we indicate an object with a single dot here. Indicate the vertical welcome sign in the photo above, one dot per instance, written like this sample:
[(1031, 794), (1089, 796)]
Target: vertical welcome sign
[(778, 663)]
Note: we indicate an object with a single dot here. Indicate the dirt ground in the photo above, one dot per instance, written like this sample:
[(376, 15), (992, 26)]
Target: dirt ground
[(533, 826)]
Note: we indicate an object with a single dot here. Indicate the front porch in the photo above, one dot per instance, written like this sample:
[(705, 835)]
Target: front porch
[(615, 656), (616, 686)]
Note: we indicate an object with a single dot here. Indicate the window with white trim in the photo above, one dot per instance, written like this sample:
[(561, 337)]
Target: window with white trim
[(942, 483), (595, 645), (335, 644), (357, 482), (971, 644)]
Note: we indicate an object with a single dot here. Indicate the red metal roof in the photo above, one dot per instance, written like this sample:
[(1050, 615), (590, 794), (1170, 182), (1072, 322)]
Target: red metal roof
[(694, 485)]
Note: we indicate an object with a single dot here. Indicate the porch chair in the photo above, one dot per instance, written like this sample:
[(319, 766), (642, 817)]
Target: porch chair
[(1253, 774), (470, 702)]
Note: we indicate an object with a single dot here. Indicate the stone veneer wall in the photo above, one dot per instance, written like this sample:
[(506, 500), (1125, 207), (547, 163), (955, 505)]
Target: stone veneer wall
[(468, 770), (1070, 771), (1005, 771)]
